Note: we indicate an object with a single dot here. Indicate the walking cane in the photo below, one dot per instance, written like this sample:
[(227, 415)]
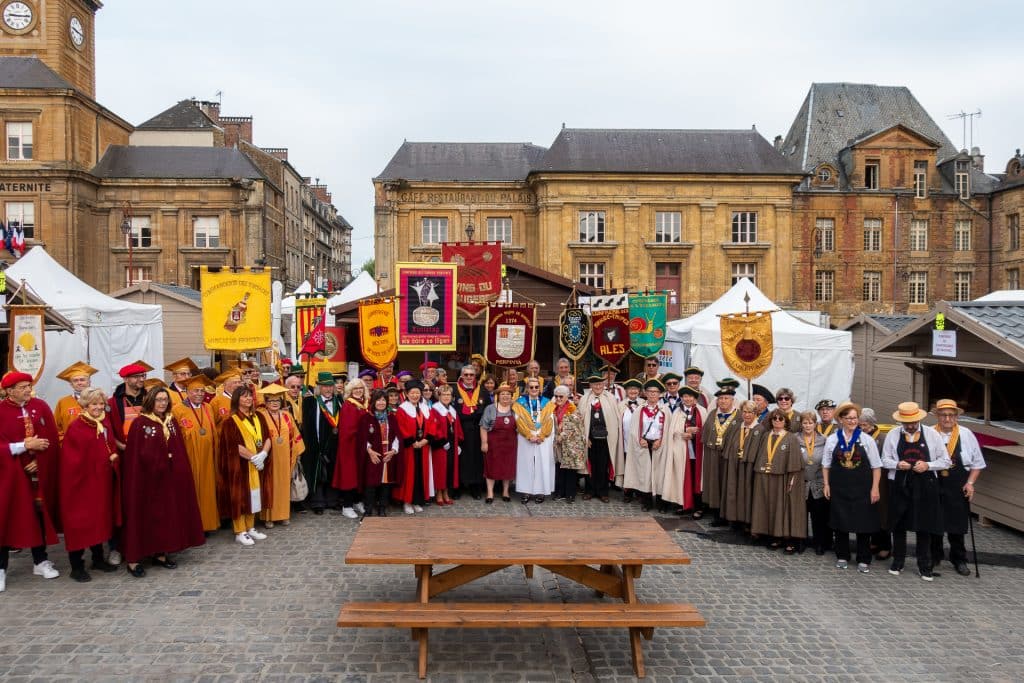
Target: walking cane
[(974, 546)]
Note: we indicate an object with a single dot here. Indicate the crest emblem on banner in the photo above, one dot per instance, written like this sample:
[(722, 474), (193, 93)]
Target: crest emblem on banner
[(747, 342), (610, 315), (574, 332), (479, 278), (510, 334), (377, 334), (646, 323), (235, 308)]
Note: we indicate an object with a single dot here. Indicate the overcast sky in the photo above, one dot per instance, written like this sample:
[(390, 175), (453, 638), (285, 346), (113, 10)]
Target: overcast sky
[(341, 84)]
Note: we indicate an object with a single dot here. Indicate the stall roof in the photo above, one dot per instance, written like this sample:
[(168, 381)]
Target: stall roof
[(54, 321)]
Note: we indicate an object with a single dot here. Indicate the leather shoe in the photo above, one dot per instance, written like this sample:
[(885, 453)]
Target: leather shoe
[(104, 566), (166, 563), (138, 572), (80, 575), (961, 569)]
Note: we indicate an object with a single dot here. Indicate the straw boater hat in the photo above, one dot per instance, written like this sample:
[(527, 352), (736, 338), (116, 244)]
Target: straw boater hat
[(947, 404), (909, 412)]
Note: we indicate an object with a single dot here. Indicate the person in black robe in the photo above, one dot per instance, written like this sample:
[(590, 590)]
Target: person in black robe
[(320, 415), (469, 400)]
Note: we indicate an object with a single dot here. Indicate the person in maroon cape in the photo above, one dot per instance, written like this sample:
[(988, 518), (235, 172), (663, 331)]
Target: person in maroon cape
[(445, 432), (89, 501), (378, 437), (161, 514), (499, 442), (348, 467), (28, 476), (414, 468), (126, 403), (246, 475)]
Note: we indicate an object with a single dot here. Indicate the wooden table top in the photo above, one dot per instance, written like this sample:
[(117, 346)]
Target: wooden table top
[(508, 541)]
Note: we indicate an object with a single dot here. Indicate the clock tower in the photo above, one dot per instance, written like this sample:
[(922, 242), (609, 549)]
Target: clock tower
[(58, 32)]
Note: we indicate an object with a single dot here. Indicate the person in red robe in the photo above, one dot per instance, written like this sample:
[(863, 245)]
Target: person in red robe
[(348, 467), (160, 510), (415, 471), (379, 440), (445, 433), (245, 466), (28, 476), (88, 474), (126, 403)]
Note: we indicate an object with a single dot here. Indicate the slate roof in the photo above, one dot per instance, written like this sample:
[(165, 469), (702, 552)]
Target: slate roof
[(462, 161), (184, 115), (121, 161), (611, 150), (29, 73), (1004, 318), (186, 292), (893, 323)]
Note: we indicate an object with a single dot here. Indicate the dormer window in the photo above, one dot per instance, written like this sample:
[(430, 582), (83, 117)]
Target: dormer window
[(871, 174), (920, 179), (963, 179), (825, 176)]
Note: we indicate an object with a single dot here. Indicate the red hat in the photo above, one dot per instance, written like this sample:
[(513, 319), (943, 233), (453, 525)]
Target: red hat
[(428, 364), (134, 369), (12, 378)]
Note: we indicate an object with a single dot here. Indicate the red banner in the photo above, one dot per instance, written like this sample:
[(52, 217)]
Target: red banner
[(479, 281), (426, 306), (510, 334), (610, 316)]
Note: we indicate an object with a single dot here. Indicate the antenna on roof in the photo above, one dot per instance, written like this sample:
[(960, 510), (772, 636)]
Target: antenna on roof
[(563, 125), (219, 95), (963, 116)]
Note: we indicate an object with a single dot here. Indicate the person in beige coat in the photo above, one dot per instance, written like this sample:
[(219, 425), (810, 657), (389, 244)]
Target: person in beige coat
[(685, 453), (646, 444)]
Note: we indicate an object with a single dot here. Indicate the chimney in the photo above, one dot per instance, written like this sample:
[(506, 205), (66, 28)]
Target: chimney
[(778, 143), (211, 109), (977, 159)]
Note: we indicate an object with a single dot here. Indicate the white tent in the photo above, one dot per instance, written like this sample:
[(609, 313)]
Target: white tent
[(109, 333), (814, 362), (362, 285), (288, 303)]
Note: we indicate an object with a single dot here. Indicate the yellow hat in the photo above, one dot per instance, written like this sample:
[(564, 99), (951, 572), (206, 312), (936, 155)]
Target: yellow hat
[(244, 365), (947, 404), (199, 380), (185, 363), (233, 373), (909, 411), (77, 370), (272, 390), (154, 382)]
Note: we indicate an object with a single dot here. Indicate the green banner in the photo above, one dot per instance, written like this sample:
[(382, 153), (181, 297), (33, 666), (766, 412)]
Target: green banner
[(646, 323)]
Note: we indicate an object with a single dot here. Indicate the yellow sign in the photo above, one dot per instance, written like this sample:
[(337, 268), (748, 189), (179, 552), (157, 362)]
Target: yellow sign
[(236, 308), (747, 342)]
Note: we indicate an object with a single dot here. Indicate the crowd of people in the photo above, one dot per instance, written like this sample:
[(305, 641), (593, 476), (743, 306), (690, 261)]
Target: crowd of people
[(153, 469)]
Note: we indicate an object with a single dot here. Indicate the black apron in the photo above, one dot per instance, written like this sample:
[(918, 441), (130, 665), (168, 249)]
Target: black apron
[(851, 509), (914, 498), (955, 506)]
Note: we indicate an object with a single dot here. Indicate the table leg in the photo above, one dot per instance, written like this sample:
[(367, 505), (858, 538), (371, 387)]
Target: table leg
[(423, 572), (423, 653), (528, 570), (629, 596)]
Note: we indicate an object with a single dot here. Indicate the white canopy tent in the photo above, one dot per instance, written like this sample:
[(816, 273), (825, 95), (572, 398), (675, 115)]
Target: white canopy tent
[(362, 285), (288, 303), (813, 361), (109, 333)]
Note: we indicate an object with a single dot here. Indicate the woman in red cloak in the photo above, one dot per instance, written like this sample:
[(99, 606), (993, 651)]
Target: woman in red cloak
[(415, 472), (348, 468)]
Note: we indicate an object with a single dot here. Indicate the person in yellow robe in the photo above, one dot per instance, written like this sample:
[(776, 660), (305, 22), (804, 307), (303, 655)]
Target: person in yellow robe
[(79, 376), (286, 446), (227, 381), (293, 395), (181, 371), (200, 435)]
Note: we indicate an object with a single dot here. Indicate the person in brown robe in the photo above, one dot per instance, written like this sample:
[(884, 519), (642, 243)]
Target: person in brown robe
[(721, 421), (779, 507), (245, 466), (738, 453), (161, 515)]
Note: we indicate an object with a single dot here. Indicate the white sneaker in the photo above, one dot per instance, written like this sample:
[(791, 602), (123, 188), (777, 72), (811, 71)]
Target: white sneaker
[(417, 508), (114, 557), (349, 512), (3, 580), (45, 569), (360, 508), (243, 538), (256, 535), (863, 568), (408, 509)]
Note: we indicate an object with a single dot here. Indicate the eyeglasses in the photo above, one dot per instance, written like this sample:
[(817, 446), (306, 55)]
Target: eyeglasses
[(652, 365), (783, 398), (778, 418), (533, 386), (469, 374)]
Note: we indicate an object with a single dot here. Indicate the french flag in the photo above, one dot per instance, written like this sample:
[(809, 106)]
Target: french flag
[(18, 240), (8, 237)]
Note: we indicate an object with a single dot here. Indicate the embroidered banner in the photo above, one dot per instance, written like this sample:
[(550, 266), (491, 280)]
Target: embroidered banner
[(27, 342), (611, 326), (510, 334), (236, 308), (377, 339), (426, 306), (747, 342), (479, 280), (646, 323), (574, 332), (309, 315)]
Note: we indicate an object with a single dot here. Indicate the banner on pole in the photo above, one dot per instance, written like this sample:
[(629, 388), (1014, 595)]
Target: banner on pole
[(479, 278), (27, 342), (236, 308), (747, 342), (646, 323), (378, 340), (426, 306), (611, 326), (574, 332), (511, 334)]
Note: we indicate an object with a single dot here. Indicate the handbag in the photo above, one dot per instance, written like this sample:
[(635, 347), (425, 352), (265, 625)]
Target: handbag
[(299, 487)]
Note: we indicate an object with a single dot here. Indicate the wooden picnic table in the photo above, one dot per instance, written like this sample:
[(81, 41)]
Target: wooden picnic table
[(606, 554)]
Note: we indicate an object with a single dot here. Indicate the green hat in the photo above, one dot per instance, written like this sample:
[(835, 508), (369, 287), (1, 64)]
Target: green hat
[(594, 379), (324, 377), (654, 384), (725, 391), (693, 370), (728, 382), (609, 368), (632, 382), (296, 369), (687, 390), (668, 376)]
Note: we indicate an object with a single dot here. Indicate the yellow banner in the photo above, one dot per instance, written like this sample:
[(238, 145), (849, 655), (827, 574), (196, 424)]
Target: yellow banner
[(747, 342), (378, 338), (236, 308)]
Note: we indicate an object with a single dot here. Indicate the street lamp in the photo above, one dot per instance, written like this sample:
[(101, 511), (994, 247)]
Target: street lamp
[(470, 230), (126, 230)]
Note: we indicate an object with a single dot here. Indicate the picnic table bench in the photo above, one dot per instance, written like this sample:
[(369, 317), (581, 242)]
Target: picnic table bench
[(477, 547)]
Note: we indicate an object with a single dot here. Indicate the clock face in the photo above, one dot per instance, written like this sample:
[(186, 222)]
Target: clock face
[(18, 16), (77, 32)]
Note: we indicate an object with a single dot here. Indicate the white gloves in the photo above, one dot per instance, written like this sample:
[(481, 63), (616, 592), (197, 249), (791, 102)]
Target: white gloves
[(447, 446), (259, 459)]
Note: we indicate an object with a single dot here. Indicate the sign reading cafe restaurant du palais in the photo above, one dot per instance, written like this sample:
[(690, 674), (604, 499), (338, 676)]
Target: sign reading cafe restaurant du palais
[(117, 203)]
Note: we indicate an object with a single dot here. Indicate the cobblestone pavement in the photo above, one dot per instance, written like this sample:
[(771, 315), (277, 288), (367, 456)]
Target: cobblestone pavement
[(268, 613)]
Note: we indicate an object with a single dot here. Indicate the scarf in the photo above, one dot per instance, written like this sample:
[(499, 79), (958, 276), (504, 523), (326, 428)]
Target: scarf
[(101, 431), (469, 399), (954, 438), (846, 447), (252, 432)]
